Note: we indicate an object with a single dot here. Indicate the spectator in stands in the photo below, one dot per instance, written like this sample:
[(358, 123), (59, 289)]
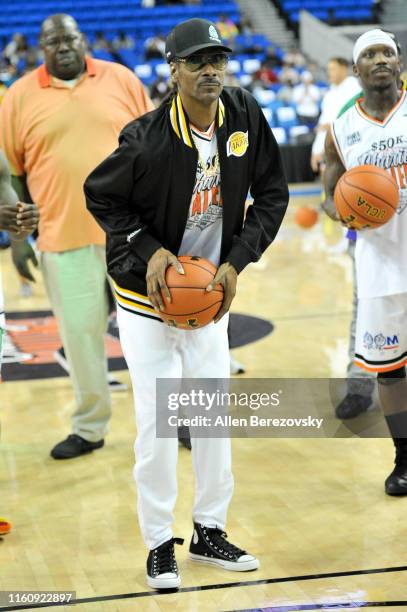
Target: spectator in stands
[(376, 11), (265, 77), (318, 73), (122, 41), (154, 47), (245, 42), (272, 60), (8, 72), (101, 43), (295, 58), (306, 97), (342, 88), (285, 93), (159, 90), (31, 61), (227, 28), (230, 81), (16, 49), (331, 18), (245, 26), (52, 143), (288, 74)]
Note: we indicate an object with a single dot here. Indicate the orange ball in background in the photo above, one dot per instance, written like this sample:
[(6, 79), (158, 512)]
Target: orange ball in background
[(366, 197), (5, 527), (191, 305), (306, 217)]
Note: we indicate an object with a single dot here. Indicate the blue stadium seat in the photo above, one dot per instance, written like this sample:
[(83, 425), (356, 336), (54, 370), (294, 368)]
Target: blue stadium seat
[(129, 58), (269, 115), (353, 15), (112, 16), (286, 117), (103, 55), (280, 135)]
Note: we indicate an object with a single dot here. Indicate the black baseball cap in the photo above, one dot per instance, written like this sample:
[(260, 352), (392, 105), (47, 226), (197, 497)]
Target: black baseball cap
[(191, 36)]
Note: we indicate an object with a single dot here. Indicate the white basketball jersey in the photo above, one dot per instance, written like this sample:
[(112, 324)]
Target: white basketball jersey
[(381, 254)]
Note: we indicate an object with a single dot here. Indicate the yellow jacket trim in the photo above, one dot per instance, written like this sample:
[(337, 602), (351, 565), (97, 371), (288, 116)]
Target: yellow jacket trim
[(180, 123)]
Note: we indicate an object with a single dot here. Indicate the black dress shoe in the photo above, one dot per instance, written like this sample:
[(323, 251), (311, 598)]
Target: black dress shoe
[(74, 446), (353, 405), (396, 483)]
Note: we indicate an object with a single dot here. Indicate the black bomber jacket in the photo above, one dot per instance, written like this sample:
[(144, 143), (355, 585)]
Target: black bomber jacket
[(141, 194)]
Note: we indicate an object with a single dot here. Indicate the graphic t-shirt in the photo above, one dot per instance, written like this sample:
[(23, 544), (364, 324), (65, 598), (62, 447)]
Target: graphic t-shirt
[(203, 231)]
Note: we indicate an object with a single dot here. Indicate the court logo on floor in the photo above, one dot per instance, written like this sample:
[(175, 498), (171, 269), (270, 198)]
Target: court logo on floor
[(32, 343)]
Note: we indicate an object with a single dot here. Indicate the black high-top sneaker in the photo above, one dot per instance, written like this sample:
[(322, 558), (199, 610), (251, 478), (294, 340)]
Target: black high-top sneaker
[(210, 545), (162, 569), (396, 483)]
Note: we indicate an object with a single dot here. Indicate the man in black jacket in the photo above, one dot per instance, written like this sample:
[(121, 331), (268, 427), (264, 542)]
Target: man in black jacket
[(177, 185)]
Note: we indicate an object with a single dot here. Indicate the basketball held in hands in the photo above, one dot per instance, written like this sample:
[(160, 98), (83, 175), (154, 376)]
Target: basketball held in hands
[(366, 197), (191, 305)]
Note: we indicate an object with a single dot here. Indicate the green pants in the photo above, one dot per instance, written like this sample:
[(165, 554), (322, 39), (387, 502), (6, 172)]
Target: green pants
[(76, 285)]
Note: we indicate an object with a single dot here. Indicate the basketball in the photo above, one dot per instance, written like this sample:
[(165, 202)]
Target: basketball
[(306, 217), (366, 197), (5, 527), (191, 306)]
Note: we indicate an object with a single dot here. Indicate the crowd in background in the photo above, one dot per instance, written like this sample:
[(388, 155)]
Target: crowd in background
[(293, 81)]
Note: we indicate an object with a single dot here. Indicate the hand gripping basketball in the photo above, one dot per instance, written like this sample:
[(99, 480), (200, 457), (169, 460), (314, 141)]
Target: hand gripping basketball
[(157, 289), (196, 297), (227, 277), (366, 197)]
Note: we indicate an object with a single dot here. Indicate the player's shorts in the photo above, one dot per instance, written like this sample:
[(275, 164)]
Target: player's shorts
[(381, 333)]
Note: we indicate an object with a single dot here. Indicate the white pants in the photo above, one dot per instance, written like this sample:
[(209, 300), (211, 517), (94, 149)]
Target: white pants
[(154, 350)]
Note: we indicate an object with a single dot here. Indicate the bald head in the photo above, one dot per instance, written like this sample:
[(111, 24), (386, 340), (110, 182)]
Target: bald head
[(57, 21), (64, 48)]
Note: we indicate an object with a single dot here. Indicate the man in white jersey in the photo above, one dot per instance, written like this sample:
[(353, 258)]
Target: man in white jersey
[(177, 185), (373, 131), (20, 220)]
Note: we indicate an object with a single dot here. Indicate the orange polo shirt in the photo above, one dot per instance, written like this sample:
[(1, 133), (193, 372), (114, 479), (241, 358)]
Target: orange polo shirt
[(56, 135)]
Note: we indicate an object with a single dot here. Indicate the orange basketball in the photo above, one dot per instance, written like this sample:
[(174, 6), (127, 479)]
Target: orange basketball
[(5, 527), (191, 306), (366, 197), (306, 217)]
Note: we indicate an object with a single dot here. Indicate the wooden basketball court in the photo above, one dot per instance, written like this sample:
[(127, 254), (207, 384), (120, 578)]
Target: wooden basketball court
[(313, 510)]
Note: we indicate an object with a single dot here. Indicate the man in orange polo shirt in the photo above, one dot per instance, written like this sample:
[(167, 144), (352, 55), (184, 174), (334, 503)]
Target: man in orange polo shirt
[(57, 123)]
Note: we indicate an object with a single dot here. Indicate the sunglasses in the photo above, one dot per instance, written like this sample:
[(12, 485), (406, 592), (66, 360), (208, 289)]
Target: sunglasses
[(197, 61)]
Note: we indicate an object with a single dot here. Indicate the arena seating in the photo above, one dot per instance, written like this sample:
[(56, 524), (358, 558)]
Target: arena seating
[(107, 15), (113, 16), (341, 11)]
